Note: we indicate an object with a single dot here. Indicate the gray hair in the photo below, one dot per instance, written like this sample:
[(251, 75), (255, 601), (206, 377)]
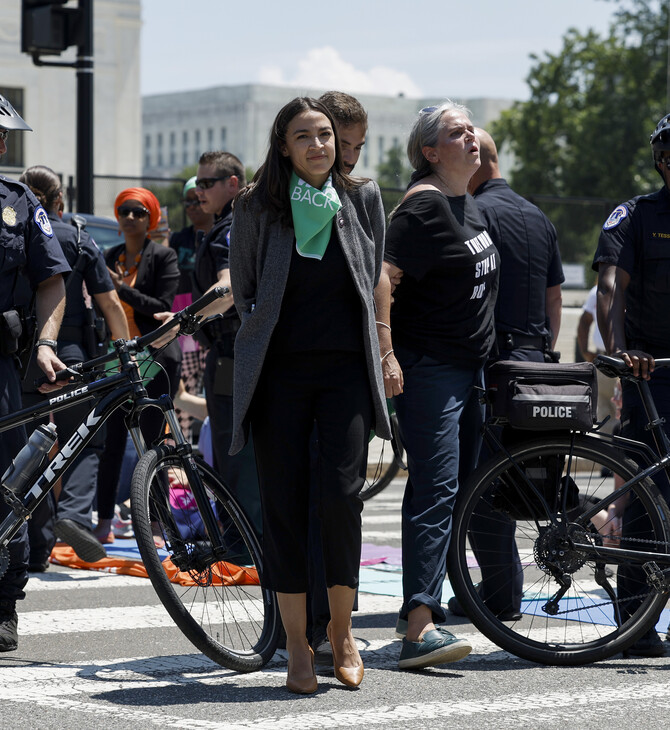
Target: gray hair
[(425, 131)]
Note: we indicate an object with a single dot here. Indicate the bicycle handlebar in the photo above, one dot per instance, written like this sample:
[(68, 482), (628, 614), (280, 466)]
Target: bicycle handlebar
[(187, 321), (615, 367)]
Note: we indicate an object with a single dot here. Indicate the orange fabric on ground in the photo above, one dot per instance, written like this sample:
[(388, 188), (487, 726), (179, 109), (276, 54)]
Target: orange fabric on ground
[(228, 573)]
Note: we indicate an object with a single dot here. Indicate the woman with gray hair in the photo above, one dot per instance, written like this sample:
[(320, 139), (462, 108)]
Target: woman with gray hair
[(433, 347)]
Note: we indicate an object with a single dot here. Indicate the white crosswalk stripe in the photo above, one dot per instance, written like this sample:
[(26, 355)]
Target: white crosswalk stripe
[(116, 659)]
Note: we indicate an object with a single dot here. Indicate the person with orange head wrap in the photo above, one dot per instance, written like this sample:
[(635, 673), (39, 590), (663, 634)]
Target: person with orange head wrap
[(143, 196), (145, 276)]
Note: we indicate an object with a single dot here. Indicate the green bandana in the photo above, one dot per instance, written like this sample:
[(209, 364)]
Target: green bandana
[(313, 212)]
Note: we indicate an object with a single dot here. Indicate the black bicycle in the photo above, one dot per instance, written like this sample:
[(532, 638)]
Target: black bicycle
[(198, 546), (560, 499)]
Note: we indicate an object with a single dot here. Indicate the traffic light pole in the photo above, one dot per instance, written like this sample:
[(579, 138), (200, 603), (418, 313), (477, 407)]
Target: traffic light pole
[(85, 110), (83, 31)]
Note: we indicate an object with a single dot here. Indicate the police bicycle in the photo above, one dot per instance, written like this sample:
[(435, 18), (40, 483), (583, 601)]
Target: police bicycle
[(197, 545), (560, 499)]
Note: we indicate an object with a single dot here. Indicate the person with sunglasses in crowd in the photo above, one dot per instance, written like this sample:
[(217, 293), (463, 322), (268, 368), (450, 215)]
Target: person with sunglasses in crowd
[(145, 275), (185, 242), (220, 177)]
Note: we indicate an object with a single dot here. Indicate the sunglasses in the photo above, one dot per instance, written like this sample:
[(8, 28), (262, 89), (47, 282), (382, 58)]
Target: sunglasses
[(205, 183), (191, 203), (125, 211), (4, 133), (428, 110)]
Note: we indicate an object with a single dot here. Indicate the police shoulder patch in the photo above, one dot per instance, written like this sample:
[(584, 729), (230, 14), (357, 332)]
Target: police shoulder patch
[(43, 222), (615, 217)]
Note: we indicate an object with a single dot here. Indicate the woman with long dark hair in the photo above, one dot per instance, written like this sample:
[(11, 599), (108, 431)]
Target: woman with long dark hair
[(306, 252)]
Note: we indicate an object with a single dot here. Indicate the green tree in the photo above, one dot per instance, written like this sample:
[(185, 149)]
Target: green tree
[(393, 175), (584, 132)]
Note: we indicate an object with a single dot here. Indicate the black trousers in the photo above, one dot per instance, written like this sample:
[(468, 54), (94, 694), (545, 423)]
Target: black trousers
[(295, 391)]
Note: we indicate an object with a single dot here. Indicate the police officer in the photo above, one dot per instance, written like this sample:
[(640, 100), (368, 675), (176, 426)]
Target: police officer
[(528, 318), (633, 265), (220, 177), (76, 342), (26, 242), (528, 309)]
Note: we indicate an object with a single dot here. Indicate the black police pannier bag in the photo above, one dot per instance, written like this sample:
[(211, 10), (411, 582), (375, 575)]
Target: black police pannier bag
[(546, 397), (542, 396)]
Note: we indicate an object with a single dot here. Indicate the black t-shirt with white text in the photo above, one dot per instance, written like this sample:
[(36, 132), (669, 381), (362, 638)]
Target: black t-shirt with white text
[(445, 301)]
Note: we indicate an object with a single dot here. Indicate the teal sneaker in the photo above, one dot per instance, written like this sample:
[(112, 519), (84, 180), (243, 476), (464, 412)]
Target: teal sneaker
[(436, 647)]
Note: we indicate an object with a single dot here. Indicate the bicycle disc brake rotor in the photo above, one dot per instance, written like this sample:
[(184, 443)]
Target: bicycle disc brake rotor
[(554, 549), (4, 560)]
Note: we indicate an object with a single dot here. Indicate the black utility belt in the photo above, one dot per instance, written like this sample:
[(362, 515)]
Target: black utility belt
[(512, 341)]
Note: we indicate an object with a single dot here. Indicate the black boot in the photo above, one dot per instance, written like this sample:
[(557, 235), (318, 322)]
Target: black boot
[(9, 621)]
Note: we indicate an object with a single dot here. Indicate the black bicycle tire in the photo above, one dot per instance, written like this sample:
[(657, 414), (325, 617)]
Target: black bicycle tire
[(503, 633), (373, 487), (241, 660)]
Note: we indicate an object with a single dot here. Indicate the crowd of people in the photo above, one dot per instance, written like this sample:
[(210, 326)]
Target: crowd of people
[(331, 313)]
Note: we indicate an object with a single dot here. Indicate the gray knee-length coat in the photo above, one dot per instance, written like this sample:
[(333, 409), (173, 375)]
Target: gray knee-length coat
[(260, 255)]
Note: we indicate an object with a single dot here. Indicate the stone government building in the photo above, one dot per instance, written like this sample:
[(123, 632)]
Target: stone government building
[(177, 127)]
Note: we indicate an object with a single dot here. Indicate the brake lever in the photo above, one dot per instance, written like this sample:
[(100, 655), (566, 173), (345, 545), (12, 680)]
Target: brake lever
[(67, 374)]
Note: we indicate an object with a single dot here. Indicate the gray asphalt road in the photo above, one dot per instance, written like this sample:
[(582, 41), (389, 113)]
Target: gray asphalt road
[(98, 651)]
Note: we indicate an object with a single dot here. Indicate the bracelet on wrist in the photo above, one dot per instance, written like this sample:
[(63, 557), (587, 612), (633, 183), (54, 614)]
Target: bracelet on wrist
[(387, 354), (53, 344), (383, 324)]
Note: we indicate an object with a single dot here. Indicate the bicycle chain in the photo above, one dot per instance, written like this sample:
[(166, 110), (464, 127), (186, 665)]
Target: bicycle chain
[(621, 600)]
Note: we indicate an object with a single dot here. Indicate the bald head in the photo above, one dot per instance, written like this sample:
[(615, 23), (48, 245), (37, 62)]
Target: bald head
[(488, 154)]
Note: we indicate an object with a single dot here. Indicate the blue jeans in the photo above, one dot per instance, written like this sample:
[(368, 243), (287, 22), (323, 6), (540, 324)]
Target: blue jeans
[(440, 419)]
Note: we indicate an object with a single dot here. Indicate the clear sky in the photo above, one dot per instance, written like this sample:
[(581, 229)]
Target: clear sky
[(437, 48)]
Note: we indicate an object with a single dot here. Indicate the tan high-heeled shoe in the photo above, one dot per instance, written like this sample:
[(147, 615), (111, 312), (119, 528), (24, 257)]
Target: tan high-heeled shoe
[(304, 686), (349, 676)]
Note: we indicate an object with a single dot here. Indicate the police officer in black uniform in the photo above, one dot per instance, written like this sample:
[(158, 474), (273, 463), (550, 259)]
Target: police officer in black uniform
[(78, 340), (26, 242), (527, 319), (220, 176), (633, 265), (528, 309)]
